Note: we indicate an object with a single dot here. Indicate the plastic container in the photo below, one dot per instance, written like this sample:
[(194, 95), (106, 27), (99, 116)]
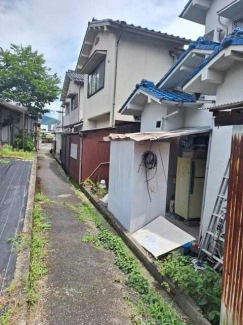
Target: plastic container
[(187, 248)]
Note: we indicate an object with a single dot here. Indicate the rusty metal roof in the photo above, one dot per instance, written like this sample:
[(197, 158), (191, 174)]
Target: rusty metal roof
[(14, 107), (155, 136), (222, 107)]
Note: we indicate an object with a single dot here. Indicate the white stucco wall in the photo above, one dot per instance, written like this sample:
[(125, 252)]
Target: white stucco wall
[(101, 102), (75, 115), (218, 159), (152, 113), (186, 117), (128, 194), (228, 92), (139, 57), (144, 210), (212, 17), (197, 117), (231, 89)]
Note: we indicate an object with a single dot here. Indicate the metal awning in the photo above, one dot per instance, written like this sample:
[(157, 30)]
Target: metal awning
[(233, 11), (155, 136), (96, 58)]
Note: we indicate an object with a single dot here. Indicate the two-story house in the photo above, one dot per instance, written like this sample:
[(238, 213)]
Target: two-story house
[(114, 55), (72, 101)]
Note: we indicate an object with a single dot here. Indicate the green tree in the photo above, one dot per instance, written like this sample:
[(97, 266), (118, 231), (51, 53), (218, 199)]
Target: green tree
[(25, 79)]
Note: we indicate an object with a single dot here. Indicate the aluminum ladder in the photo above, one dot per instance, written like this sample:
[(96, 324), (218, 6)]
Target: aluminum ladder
[(212, 243)]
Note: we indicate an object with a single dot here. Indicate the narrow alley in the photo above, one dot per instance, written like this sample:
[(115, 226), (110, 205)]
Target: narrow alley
[(81, 279)]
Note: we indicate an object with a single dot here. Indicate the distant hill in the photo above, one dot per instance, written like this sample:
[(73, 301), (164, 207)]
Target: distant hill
[(49, 121)]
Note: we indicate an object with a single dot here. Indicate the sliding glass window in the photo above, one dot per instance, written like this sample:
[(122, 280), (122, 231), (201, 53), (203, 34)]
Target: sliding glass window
[(97, 79)]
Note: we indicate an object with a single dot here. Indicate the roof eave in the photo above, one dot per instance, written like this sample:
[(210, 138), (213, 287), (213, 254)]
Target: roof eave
[(208, 79)]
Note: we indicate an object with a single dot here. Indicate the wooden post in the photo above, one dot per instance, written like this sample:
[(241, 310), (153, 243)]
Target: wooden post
[(23, 128)]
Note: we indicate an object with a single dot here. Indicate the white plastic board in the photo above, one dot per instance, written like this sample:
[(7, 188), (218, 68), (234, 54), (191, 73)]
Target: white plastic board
[(74, 151), (161, 236)]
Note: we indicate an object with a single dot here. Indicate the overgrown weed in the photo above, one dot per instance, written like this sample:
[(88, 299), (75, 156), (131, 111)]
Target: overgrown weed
[(9, 152)]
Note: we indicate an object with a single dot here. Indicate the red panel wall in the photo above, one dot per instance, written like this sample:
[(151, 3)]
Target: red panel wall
[(94, 152)]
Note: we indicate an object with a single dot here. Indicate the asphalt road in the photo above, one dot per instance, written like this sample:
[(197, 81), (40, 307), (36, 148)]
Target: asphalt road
[(14, 182)]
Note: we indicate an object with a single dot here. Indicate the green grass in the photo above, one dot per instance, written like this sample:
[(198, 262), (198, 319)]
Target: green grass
[(6, 317), (10, 152), (38, 266), (40, 197), (4, 161), (18, 242)]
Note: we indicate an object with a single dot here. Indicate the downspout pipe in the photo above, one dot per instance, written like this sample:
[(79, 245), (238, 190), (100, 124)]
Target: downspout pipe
[(225, 27), (112, 122)]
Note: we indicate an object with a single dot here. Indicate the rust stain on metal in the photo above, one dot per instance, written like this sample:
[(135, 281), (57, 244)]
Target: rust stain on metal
[(232, 286)]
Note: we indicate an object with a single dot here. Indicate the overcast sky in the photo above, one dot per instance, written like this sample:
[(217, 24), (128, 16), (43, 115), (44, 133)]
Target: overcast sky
[(56, 28)]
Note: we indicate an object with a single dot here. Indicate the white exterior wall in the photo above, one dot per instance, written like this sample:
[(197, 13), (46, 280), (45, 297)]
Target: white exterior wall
[(128, 194), (101, 102), (197, 117), (212, 17), (139, 57), (152, 113), (187, 117), (228, 92), (143, 210), (75, 115)]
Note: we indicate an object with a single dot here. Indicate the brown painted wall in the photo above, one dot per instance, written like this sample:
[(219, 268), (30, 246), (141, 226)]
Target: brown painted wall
[(92, 151)]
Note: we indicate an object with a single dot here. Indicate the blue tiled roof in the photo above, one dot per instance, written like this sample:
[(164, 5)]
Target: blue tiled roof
[(235, 38), (200, 44), (161, 94)]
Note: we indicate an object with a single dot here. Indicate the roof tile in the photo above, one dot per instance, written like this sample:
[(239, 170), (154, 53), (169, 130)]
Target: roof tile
[(160, 94), (75, 76), (200, 44), (235, 38), (124, 23)]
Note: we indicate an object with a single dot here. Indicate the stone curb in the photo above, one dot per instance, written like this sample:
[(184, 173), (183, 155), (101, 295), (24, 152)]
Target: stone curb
[(23, 258), (182, 300)]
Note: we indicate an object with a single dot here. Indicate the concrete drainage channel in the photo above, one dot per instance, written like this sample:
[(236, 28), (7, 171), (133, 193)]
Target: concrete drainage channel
[(182, 300)]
